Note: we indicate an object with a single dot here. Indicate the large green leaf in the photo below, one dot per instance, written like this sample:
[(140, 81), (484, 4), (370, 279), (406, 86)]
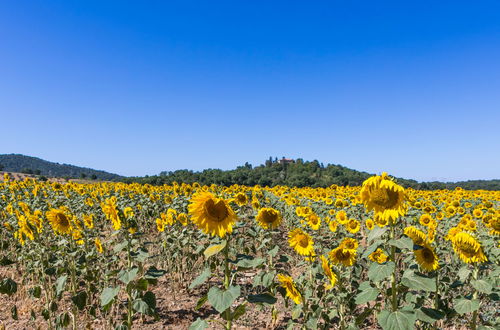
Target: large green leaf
[(376, 233), (262, 298), (368, 294), (417, 282), (464, 306), (398, 320), (80, 299), (8, 286), (201, 278), (482, 286), (250, 262), (402, 243), (108, 294), (127, 276), (429, 315), (222, 300), (378, 272), (60, 284), (140, 306), (199, 324)]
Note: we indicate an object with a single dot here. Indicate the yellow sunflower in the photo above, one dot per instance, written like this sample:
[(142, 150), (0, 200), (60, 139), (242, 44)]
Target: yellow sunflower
[(341, 217), (109, 209), (291, 291), (349, 243), (417, 236), (333, 225), (313, 221), (369, 224), (386, 198), (378, 256), (468, 248), (426, 258), (241, 199), (346, 257), (301, 242), (353, 226), (212, 215), (426, 220), (98, 245), (269, 218), (60, 220), (332, 277)]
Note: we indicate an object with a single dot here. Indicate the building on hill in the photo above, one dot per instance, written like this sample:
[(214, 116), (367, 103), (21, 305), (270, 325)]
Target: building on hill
[(286, 161)]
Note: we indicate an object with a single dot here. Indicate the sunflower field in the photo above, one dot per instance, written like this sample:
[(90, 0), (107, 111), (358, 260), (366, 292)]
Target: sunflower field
[(121, 256)]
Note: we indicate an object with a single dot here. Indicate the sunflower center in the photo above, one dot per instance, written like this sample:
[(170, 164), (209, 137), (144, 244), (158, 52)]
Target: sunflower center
[(62, 220), (269, 216), (428, 255), (217, 211), (303, 240), (385, 198)]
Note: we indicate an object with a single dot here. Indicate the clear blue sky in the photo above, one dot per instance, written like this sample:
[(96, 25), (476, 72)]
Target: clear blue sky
[(140, 87)]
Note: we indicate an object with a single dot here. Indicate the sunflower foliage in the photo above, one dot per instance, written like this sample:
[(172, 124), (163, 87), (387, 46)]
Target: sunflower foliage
[(375, 256)]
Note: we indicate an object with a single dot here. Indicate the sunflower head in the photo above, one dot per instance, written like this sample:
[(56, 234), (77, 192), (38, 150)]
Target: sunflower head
[(346, 257), (378, 256), (269, 218), (60, 220), (301, 242), (291, 291), (332, 277), (468, 248), (426, 258), (212, 215), (381, 194), (241, 199)]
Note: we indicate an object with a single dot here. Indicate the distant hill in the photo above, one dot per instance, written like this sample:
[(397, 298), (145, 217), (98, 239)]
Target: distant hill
[(33, 165), (296, 173)]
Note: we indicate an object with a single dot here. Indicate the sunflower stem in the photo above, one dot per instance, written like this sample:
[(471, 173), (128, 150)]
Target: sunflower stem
[(393, 277), (473, 325), (227, 281)]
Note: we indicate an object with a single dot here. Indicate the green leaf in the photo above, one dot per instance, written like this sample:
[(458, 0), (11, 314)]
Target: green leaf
[(368, 294), (214, 249), (142, 284), (150, 299), (60, 284), (154, 273), (376, 233), (80, 299), (274, 251), (239, 311), (222, 300), (262, 298), (201, 302), (463, 273), (417, 282), (268, 279), (108, 294), (482, 286), (8, 286), (429, 315), (402, 243), (464, 306), (140, 306), (128, 276), (201, 278), (199, 324), (120, 246), (250, 262), (370, 249), (378, 272), (398, 320)]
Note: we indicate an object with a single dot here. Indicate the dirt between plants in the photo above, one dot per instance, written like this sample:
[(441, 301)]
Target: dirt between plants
[(175, 308)]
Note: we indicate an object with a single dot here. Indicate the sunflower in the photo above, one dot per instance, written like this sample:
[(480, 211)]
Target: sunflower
[(333, 225), (241, 199), (341, 217), (494, 224), (314, 221), (346, 257), (60, 220), (386, 198), (269, 218), (353, 226), (426, 220), (160, 225), (98, 245), (88, 220), (369, 224), (426, 258), (291, 291), (128, 212), (349, 243), (111, 212), (332, 277), (183, 219), (301, 242), (478, 213), (212, 215), (378, 256), (417, 236), (468, 248)]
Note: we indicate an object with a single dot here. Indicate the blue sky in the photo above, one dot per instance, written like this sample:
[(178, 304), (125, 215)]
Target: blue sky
[(140, 87)]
